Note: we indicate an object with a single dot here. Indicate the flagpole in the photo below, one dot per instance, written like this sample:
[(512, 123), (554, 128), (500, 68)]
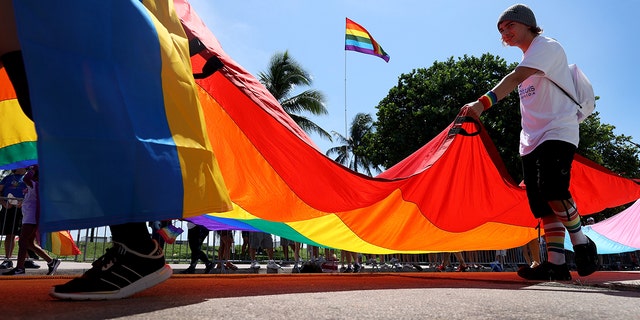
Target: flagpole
[(346, 136)]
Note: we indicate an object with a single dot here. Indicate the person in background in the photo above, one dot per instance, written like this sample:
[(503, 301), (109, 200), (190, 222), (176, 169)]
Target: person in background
[(244, 253), (353, 265), (548, 140), (30, 219), (531, 252), (11, 186), (295, 247), (499, 264), (259, 239), (446, 262), (196, 234), (224, 251)]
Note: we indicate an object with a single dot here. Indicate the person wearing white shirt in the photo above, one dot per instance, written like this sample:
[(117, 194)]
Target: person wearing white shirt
[(548, 140)]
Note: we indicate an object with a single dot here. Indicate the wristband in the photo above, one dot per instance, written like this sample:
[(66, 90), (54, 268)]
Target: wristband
[(488, 99)]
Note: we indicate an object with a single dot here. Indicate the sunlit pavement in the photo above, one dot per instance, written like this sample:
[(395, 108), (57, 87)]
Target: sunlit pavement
[(377, 295)]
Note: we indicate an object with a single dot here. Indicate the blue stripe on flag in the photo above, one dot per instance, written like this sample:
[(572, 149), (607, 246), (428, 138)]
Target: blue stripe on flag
[(105, 149)]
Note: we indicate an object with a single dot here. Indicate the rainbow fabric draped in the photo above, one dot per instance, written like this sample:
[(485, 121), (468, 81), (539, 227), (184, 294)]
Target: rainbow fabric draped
[(616, 234), (453, 194), (359, 39), (121, 134)]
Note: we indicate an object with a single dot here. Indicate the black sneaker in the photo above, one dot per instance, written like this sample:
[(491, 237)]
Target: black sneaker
[(119, 273), (14, 272), (29, 264), (53, 266), (207, 267), (7, 264), (586, 258), (547, 271), (189, 270)]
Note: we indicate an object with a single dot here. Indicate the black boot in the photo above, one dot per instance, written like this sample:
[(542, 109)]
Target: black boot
[(586, 258)]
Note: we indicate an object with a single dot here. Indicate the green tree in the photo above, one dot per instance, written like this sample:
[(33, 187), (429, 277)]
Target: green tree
[(352, 152), (600, 144), (281, 78)]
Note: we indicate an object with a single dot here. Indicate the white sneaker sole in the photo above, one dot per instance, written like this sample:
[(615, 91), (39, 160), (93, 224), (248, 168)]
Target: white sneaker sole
[(142, 284)]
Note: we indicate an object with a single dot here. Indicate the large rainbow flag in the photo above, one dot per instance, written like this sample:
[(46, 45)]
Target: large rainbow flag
[(120, 129), (452, 194)]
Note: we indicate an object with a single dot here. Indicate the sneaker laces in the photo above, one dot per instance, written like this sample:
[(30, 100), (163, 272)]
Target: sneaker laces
[(110, 257), (107, 260)]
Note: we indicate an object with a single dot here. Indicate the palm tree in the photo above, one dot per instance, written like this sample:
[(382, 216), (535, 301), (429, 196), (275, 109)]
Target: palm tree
[(284, 75), (351, 153)]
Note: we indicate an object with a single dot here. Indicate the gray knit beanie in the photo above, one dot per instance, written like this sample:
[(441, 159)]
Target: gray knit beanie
[(519, 13)]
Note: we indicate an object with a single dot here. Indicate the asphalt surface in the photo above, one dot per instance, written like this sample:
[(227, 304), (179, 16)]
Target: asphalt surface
[(245, 294)]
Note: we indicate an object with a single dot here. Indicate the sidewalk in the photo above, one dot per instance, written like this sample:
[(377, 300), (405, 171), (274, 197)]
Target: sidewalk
[(616, 280)]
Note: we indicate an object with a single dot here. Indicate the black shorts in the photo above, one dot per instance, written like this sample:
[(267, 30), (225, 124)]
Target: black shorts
[(547, 173), (10, 221)]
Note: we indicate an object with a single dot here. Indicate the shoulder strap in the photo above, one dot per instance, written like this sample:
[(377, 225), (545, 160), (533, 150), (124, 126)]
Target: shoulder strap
[(565, 92)]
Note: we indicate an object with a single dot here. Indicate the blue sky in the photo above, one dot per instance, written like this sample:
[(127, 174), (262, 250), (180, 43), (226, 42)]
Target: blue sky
[(600, 36)]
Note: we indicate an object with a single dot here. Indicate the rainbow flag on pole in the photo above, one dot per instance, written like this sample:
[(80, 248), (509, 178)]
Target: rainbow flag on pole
[(359, 39)]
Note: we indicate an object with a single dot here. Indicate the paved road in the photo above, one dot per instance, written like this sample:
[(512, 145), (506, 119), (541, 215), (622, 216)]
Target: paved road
[(399, 295)]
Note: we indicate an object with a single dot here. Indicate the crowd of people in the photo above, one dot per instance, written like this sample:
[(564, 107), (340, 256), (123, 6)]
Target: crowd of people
[(257, 246)]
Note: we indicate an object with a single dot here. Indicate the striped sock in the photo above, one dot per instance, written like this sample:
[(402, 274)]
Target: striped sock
[(571, 220), (554, 236)]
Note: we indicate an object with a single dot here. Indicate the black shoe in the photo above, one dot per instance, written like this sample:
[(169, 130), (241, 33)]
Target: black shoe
[(208, 267), (547, 271), (53, 266), (29, 264), (14, 272), (189, 270), (119, 273), (586, 258), (7, 264)]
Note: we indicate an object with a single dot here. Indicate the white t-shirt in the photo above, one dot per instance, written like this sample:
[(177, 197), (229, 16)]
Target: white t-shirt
[(547, 112)]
